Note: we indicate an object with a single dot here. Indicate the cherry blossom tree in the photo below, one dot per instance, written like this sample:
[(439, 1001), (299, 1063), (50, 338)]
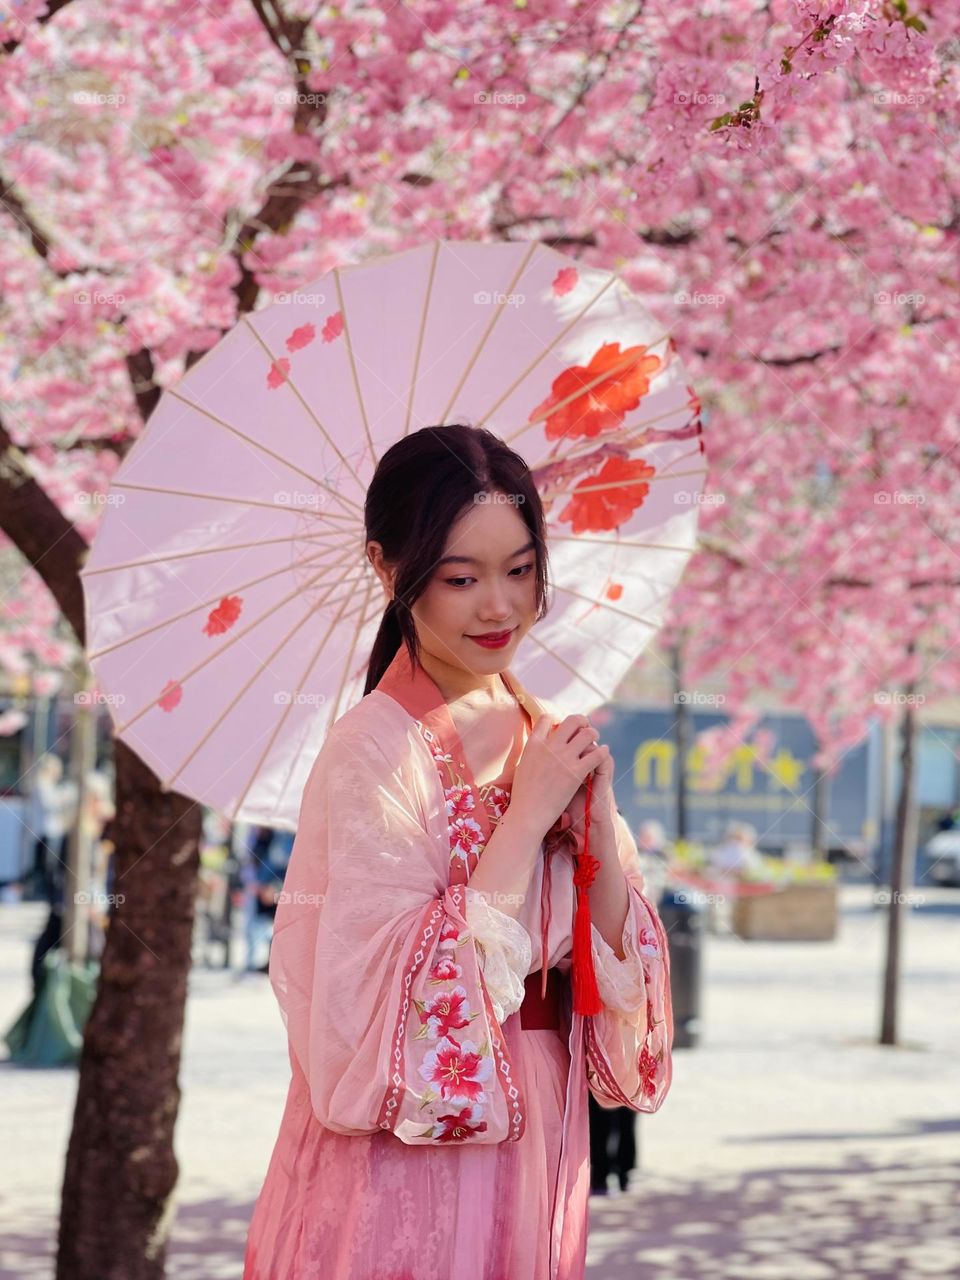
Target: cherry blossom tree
[(778, 180)]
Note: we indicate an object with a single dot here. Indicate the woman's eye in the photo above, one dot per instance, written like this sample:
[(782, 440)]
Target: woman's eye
[(521, 569)]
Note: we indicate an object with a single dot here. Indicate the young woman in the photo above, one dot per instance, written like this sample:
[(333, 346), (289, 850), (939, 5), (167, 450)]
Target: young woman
[(436, 1122)]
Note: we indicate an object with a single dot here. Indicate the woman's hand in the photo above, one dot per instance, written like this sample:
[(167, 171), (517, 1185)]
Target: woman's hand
[(602, 804), (553, 765)]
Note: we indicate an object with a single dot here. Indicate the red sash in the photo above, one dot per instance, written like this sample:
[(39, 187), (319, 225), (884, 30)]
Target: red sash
[(542, 1013)]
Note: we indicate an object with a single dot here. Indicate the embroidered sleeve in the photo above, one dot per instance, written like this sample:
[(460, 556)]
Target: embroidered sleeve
[(620, 982), (375, 966), (629, 1042), (505, 951)]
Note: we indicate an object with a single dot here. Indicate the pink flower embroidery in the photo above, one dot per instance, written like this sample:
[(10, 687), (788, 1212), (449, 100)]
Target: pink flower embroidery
[(498, 799), (459, 1126), (447, 1011), (648, 1072), (460, 803), (647, 940), (458, 1070), (444, 970), (466, 839), (449, 935)]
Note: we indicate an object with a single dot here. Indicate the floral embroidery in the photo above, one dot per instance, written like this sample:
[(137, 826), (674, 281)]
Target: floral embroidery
[(456, 1071), (460, 802), (468, 840), (459, 1069), (444, 970), (648, 1072), (466, 833), (445, 1012), (455, 1128), (647, 940), (449, 935), (497, 798)]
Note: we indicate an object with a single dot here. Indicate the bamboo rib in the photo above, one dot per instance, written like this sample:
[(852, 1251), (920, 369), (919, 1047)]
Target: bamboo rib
[(350, 652), (296, 391), (620, 542), (211, 600), (602, 604), (534, 244), (601, 693), (620, 484), (235, 636), (257, 672), (423, 325), (353, 363), (336, 535), (362, 622), (580, 448), (242, 796), (614, 279), (271, 453), (220, 497)]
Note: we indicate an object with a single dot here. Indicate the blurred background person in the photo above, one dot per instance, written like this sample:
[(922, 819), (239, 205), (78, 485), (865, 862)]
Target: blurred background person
[(56, 800), (731, 861), (50, 814), (263, 874)]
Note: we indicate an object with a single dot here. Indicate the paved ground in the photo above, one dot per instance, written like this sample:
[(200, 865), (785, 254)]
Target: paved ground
[(791, 1146)]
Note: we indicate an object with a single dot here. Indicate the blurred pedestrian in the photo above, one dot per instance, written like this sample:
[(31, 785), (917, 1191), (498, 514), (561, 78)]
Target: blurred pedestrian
[(98, 810), (57, 800), (263, 874), (731, 861), (50, 814)]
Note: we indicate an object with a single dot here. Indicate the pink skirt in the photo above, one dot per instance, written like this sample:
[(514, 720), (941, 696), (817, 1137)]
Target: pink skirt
[(371, 1207)]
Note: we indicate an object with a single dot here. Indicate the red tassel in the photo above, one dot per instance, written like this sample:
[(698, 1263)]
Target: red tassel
[(586, 994)]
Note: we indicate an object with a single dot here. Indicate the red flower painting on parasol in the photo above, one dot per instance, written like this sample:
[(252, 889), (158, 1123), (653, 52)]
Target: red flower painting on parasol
[(624, 381)]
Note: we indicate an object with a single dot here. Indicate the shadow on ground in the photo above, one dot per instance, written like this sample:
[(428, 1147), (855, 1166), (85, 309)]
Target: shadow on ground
[(859, 1221)]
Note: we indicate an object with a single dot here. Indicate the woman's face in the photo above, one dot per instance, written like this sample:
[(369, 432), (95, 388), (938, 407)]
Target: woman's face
[(484, 582)]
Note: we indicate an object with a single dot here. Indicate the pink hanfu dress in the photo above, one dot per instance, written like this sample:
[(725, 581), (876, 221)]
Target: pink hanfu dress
[(427, 1135)]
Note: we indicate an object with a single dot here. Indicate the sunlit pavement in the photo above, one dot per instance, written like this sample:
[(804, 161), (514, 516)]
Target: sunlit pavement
[(791, 1146)]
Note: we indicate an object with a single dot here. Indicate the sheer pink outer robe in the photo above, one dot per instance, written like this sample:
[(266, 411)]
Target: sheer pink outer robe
[(426, 1134)]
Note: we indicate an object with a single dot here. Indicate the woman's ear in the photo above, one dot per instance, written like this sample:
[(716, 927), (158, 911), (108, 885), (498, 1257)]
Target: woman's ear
[(384, 572)]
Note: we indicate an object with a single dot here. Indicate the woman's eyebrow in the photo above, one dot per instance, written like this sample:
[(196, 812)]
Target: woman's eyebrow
[(472, 559)]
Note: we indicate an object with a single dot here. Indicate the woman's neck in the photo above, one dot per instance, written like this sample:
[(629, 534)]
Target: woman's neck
[(465, 687)]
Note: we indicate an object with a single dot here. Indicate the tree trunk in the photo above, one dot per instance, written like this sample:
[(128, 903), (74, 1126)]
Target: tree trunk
[(901, 861), (121, 1170)]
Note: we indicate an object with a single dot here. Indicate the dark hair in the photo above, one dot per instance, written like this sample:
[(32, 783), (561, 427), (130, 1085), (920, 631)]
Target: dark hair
[(422, 485)]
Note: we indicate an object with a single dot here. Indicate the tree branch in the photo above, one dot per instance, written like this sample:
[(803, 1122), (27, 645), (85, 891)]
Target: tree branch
[(41, 533), (53, 7)]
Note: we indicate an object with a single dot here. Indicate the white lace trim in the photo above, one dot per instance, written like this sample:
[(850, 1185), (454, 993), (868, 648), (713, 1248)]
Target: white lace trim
[(505, 952), (621, 983)]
